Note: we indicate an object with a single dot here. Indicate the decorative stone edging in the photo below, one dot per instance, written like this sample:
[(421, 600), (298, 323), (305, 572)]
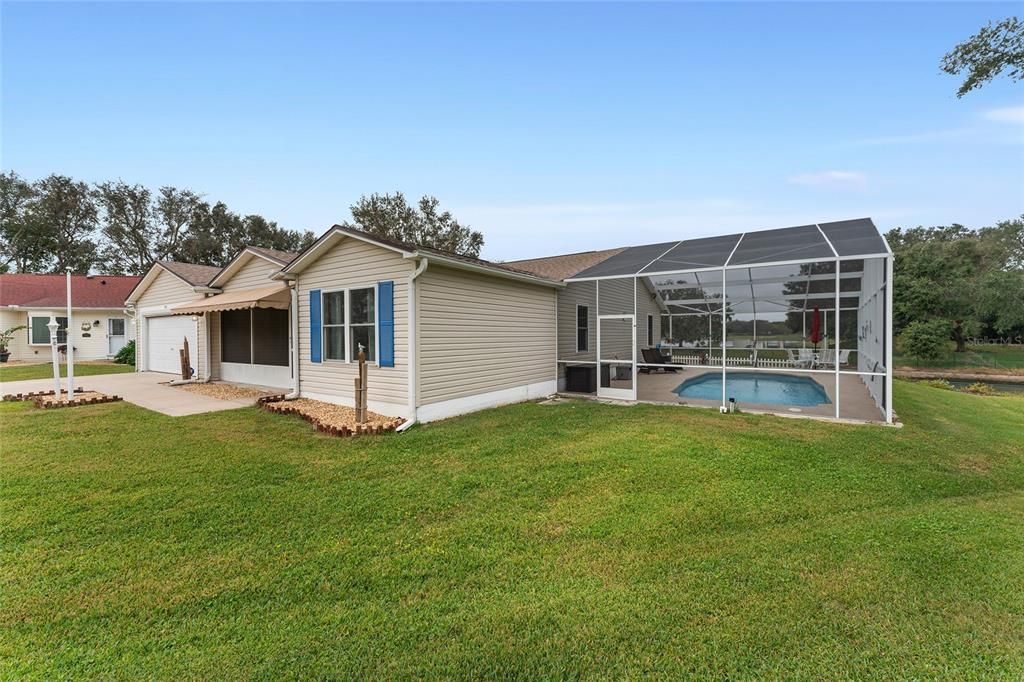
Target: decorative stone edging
[(276, 404), (39, 398)]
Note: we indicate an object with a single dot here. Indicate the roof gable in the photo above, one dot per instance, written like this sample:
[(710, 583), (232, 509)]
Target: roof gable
[(276, 258), (339, 232)]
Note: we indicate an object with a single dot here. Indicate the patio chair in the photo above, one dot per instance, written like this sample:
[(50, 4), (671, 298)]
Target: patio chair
[(652, 356), (827, 358), (802, 357), (844, 358)]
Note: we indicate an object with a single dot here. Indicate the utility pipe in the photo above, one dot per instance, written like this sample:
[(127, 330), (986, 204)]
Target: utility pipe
[(421, 267), (295, 340)]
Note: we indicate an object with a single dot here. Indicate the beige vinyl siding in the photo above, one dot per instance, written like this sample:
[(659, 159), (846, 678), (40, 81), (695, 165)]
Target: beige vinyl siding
[(616, 298), (167, 290), (576, 293), (95, 346), (478, 334), (352, 263), (254, 273)]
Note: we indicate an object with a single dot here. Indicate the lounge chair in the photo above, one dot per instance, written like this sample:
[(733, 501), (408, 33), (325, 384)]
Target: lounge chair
[(652, 356), (803, 357)]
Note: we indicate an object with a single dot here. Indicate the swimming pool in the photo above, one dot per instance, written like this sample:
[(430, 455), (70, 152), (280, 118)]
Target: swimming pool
[(755, 388)]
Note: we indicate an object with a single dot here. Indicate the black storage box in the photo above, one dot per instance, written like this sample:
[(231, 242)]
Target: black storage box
[(581, 379)]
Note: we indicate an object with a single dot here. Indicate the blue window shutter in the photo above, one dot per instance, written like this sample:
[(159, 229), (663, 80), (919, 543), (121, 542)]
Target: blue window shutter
[(386, 333), (314, 325)]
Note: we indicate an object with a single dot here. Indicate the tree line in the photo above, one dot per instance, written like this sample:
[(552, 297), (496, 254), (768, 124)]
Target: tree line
[(59, 223), (952, 283)]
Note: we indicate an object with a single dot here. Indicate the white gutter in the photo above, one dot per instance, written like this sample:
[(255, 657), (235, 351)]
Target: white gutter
[(295, 341), (411, 335)]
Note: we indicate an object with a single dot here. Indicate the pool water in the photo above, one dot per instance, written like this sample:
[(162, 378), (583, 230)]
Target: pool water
[(755, 388)]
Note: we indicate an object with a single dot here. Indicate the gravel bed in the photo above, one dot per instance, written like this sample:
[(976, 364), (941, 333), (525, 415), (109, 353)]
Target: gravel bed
[(335, 416), (224, 391), (79, 395)]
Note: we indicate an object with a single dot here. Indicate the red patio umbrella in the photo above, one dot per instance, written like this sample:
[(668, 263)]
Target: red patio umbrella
[(816, 327)]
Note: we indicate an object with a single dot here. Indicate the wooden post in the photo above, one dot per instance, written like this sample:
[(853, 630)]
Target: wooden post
[(186, 368), (361, 389)]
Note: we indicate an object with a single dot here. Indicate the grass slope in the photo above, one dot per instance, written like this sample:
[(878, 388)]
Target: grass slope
[(579, 539), (45, 370)]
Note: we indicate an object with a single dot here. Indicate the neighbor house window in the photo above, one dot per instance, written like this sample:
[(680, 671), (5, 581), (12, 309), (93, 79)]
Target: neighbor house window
[(650, 330), (39, 334), (582, 328), (350, 322)]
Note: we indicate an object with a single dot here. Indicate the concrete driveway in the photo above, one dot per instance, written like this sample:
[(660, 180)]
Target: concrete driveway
[(145, 389)]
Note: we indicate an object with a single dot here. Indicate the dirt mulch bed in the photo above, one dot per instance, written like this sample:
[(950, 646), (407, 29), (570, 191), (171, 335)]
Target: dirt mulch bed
[(223, 391), (337, 420)]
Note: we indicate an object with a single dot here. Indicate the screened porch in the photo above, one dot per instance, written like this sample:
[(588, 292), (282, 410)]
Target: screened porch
[(792, 321)]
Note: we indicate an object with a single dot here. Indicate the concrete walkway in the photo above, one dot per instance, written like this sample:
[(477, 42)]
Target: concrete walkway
[(145, 389)]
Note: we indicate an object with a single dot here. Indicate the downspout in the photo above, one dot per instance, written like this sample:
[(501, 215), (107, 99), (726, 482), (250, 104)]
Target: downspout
[(420, 269), (295, 341)]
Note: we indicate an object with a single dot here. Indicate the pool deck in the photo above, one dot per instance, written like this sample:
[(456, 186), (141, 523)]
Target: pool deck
[(857, 403)]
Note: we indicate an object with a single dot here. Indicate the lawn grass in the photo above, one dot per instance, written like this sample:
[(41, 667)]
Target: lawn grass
[(45, 370), (531, 541)]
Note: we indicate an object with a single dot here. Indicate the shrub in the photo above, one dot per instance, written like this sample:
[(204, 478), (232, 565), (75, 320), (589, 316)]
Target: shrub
[(938, 383), (925, 340), (980, 388), (126, 356)]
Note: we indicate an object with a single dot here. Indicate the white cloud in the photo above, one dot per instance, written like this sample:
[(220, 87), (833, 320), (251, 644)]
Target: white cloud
[(832, 178), (1005, 114)]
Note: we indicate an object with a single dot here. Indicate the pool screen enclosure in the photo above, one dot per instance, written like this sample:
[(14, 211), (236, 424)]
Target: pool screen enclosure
[(741, 305)]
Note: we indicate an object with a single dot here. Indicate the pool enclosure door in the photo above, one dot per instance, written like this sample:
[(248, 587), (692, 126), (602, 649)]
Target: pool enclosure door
[(616, 351)]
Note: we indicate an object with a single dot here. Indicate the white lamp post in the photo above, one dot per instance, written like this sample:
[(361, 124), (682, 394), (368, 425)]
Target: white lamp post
[(52, 326)]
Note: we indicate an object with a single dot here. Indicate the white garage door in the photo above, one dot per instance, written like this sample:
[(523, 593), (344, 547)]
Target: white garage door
[(164, 337)]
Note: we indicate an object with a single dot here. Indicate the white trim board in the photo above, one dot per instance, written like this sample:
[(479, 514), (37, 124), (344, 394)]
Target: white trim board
[(482, 401)]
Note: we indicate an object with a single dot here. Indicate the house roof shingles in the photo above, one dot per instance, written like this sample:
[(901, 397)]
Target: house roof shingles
[(561, 267), (196, 275), (405, 246), (282, 257), (47, 291)]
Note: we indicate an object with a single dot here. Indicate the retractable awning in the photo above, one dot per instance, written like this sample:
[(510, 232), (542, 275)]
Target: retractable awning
[(273, 296)]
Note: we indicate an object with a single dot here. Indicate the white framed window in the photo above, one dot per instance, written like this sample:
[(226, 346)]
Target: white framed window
[(582, 328), (349, 322), (39, 335)]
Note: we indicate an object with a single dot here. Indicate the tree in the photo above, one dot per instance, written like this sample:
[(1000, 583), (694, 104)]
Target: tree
[(21, 245), (988, 53), (969, 281), (391, 217), (924, 340), (64, 214), (137, 230), (216, 235)]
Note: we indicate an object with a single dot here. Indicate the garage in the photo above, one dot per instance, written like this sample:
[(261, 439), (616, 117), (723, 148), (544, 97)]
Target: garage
[(164, 338)]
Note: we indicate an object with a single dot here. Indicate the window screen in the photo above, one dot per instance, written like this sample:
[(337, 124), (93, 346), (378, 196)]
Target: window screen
[(334, 325), (235, 339), (270, 336), (362, 321)]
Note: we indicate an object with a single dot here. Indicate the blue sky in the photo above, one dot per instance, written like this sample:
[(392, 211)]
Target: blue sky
[(550, 127)]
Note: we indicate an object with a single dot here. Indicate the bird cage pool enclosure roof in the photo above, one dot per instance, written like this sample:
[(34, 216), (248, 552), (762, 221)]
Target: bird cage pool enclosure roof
[(766, 312)]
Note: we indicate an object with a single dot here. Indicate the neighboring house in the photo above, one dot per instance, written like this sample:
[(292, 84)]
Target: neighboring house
[(101, 327), (446, 334)]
